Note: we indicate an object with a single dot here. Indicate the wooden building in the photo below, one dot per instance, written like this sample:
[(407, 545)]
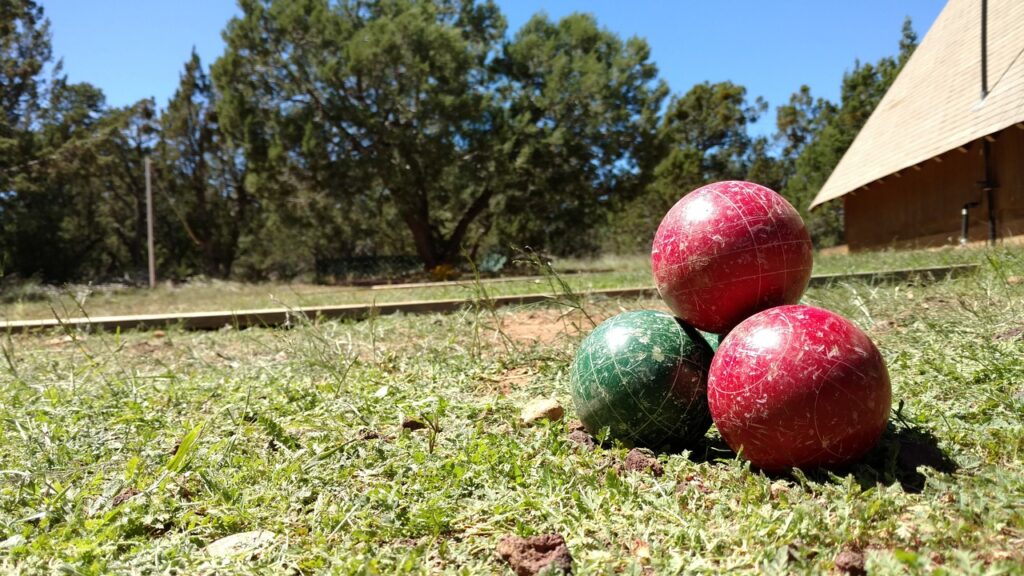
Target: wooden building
[(944, 149)]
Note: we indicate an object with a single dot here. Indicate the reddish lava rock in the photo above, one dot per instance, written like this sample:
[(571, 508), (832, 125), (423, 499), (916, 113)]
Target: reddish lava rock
[(124, 496), (529, 556), (729, 250), (851, 562), (798, 386), (639, 460)]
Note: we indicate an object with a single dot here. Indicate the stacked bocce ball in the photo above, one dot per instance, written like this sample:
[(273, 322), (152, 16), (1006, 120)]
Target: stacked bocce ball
[(786, 385)]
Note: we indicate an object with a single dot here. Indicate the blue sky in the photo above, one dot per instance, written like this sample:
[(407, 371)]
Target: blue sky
[(134, 49)]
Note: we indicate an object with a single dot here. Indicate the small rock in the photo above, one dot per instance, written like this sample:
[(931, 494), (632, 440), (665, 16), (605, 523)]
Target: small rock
[(851, 561), (412, 424), (368, 434), (242, 543), (59, 340), (159, 334), (530, 556), (1015, 280), (583, 439), (575, 425), (694, 482), (542, 409), (642, 460)]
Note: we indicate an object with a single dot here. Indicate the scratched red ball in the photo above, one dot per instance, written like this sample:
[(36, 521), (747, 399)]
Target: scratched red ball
[(729, 250), (798, 386)]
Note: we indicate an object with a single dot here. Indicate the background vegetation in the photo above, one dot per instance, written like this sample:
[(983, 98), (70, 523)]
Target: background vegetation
[(334, 130)]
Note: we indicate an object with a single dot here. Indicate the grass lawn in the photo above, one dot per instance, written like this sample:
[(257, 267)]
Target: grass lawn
[(134, 452), (36, 302), (219, 295)]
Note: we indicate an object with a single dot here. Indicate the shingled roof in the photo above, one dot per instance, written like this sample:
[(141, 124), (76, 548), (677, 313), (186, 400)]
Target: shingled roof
[(935, 104)]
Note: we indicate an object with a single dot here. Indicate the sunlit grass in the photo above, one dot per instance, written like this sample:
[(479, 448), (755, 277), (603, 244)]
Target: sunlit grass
[(604, 272), (132, 452)]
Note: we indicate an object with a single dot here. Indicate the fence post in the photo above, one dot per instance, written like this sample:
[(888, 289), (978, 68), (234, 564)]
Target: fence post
[(149, 224)]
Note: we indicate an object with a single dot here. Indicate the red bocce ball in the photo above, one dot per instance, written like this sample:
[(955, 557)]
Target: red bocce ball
[(729, 250), (798, 386)]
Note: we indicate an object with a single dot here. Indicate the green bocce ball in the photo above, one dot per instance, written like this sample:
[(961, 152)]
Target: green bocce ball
[(642, 376), (713, 340)]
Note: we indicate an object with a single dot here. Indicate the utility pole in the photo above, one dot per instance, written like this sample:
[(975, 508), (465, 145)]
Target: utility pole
[(149, 224)]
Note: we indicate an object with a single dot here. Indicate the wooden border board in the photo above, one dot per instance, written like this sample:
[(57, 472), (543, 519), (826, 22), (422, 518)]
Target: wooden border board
[(271, 317)]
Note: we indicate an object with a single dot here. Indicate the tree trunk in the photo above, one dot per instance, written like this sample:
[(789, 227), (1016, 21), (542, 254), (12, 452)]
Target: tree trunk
[(431, 246), (453, 245), (423, 237)]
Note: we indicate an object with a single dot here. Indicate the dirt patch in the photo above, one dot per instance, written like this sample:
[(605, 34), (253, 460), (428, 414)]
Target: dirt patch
[(529, 556), (640, 460), (514, 379), (556, 323), (546, 326), (148, 348)]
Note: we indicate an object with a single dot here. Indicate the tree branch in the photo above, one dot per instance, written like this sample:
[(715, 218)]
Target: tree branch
[(472, 213)]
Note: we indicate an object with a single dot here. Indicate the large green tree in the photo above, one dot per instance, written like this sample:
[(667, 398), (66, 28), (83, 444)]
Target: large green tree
[(59, 230), (202, 180), (581, 131), (127, 135), (362, 103), (72, 201), (705, 131), (413, 112), (24, 51)]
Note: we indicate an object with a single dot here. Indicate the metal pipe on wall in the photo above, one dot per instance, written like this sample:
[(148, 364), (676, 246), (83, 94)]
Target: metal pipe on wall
[(965, 222), (988, 187)]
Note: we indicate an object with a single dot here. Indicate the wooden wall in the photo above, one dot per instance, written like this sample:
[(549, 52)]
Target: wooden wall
[(921, 206)]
